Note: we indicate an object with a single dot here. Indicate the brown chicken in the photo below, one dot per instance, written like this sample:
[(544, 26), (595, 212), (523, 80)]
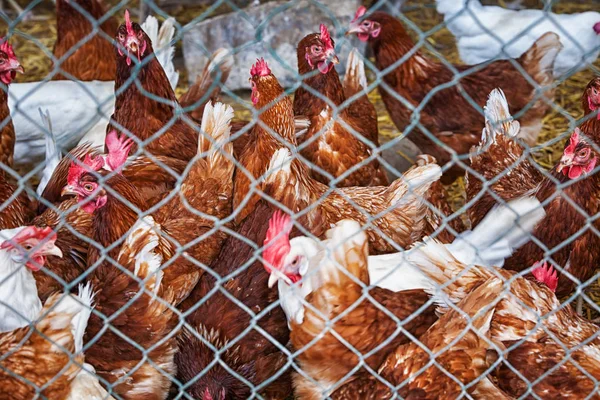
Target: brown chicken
[(332, 143), (461, 345), (219, 320), (275, 172), (332, 283), (590, 103), (526, 312), (156, 123), (14, 204), (35, 355), (575, 248), (448, 115), (73, 41)]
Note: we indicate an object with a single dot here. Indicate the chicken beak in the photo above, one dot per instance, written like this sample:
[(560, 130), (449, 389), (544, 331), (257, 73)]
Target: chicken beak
[(335, 59), (51, 250), (353, 29), (15, 65), (273, 278), (68, 191)]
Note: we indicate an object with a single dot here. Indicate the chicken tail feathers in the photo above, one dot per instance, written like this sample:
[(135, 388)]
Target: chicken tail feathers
[(209, 83), (216, 130), (498, 120), (163, 48), (355, 79), (539, 60)]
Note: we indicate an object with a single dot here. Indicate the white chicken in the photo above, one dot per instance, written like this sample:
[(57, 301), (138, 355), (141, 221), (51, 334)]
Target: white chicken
[(80, 111), (490, 32)]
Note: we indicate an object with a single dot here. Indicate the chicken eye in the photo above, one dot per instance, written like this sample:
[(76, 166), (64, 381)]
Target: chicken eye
[(27, 246), (121, 36), (2, 61), (317, 49), (366, 24), (583, 153), (88, 187)]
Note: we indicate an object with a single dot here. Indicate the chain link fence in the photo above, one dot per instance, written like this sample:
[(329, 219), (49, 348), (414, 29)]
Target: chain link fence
[(194, 234)]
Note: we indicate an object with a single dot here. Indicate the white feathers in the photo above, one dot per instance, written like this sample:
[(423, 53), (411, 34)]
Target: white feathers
[(85, 386), (280, 162), (161, 42), (504, 229), (355, 71), (215, 123), (141, 244), (53, 154)]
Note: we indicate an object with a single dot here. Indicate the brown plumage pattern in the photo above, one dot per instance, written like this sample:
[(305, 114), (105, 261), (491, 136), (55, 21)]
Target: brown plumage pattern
[(7, 132), (449, 115), (93, 58), (219, 320), (34, 355), (358, 320), (329, 144), (577, 249), (64, 219), (293, 187), (138, 112)]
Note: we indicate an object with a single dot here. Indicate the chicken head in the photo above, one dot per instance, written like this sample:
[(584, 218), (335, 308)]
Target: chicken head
[(318, 50), (85, 185), (364, 28), (578, 157), (591, 96), (31, 246), (132, 41), (9, 64)]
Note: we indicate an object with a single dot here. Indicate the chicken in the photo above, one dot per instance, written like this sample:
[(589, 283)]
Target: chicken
[(205, 191), (486, 33), (9, 67), (397, 212), (84, 108), (526, 313), (448, 117), (154, 123), (256, 355), (332, 143), (77, 47), (460, 343), (575, 247), (15, 207), (590, 103), (22, 250), (41, 357), (334, 282)]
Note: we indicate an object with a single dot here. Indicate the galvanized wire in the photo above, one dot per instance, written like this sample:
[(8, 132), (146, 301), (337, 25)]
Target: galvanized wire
[(415, 127)]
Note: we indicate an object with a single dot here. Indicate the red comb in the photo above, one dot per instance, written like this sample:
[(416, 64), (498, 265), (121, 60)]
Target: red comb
[(573, 141), (7, 48), (128, 25), (359, 13), (277, 239), (260, 68), (326, 38), (546, 274), (76, 170), (30, 232), (118, 149)]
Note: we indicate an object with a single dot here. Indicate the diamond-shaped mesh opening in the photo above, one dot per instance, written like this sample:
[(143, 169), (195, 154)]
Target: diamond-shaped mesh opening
[(299, 199)]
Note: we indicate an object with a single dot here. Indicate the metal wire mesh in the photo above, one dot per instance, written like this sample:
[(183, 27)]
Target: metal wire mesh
[(239, 365)]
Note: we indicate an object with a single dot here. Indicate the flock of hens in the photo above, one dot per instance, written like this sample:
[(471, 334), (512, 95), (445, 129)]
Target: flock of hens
[(193, 256)]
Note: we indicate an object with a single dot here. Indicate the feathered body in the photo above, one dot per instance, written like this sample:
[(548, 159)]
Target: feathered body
[(400, 214), (449, 115), (573, 179), (136, 110), (220, 321), (331, 142), (42, 356), (90, 55)]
